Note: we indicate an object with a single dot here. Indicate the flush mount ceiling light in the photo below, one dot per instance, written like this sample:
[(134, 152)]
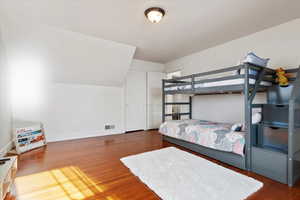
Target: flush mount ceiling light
[(154, 14)]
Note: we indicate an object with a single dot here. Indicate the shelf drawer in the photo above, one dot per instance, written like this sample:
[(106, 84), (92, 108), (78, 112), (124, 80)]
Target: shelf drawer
[(275, 113), (275, 137), (270, 163)]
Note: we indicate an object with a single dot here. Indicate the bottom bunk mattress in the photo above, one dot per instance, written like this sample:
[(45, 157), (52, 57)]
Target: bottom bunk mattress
[(213, 135)]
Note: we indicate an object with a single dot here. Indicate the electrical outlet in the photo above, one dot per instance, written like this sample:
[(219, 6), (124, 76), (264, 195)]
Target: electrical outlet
[(107, 127)]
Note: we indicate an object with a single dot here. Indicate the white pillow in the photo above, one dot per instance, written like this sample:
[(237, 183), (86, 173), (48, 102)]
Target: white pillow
[(237, 127), (256, 118)]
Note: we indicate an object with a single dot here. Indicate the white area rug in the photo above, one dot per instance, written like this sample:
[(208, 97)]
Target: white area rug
[(178, 175)]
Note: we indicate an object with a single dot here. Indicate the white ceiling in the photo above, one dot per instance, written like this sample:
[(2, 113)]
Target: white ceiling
[(189, 25)]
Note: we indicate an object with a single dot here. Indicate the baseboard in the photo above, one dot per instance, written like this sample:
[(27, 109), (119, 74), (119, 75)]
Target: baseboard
[(134, 131), (153, 129), (4, 150), (97, 134)]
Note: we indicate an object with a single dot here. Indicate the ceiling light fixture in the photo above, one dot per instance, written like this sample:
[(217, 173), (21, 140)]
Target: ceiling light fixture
[(155, 14)]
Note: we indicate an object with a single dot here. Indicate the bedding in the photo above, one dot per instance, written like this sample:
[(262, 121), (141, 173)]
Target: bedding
[(175, 88), (217, 83), (213, 135), (231, 82), (252, 58)]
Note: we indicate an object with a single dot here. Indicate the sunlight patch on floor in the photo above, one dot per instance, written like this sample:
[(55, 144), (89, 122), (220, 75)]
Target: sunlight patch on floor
[(68, 183)]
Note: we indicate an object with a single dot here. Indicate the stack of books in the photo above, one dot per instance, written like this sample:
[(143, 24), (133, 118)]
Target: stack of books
[(28, 136)]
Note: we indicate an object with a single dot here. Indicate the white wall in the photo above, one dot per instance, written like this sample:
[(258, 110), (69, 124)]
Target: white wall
[(66, 56), (146, 66), (280, 43), (72, 83), (76, 111), (5, 107)]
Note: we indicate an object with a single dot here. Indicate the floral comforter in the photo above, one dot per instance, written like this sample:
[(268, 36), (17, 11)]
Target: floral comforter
[(209, 134)]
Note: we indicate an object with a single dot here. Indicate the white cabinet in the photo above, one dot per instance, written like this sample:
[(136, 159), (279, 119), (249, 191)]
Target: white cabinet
[(135, 101), (154, 99), (143, 100)]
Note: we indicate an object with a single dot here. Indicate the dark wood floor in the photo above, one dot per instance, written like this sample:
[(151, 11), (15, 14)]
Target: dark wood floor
[(90, 169)]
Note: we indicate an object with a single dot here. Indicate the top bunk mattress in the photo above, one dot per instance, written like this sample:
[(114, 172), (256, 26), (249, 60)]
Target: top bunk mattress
[(213, 135), (237, 81)]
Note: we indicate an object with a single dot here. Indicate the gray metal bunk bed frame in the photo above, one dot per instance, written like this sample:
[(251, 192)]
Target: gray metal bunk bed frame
[(290, 172)]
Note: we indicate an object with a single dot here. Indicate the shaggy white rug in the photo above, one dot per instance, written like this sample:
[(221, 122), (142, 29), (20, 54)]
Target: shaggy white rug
[(178, 175)]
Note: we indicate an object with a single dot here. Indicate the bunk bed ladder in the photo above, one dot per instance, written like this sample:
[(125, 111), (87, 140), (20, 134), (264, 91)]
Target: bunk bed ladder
[(248, 116), (261, 75), (163, 101), (164, 104)]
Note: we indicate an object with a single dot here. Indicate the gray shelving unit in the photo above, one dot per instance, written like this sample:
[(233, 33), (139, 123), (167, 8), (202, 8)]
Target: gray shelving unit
[(272, 147), (294, 133), (276, 151)]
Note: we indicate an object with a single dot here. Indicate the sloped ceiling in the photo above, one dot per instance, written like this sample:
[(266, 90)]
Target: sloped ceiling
[(65, 56), (189, 26)]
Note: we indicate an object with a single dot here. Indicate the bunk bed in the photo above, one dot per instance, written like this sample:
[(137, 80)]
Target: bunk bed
[(281, 161)]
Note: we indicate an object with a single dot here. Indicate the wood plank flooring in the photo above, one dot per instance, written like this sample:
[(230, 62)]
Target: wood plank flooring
[(90, 169)]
